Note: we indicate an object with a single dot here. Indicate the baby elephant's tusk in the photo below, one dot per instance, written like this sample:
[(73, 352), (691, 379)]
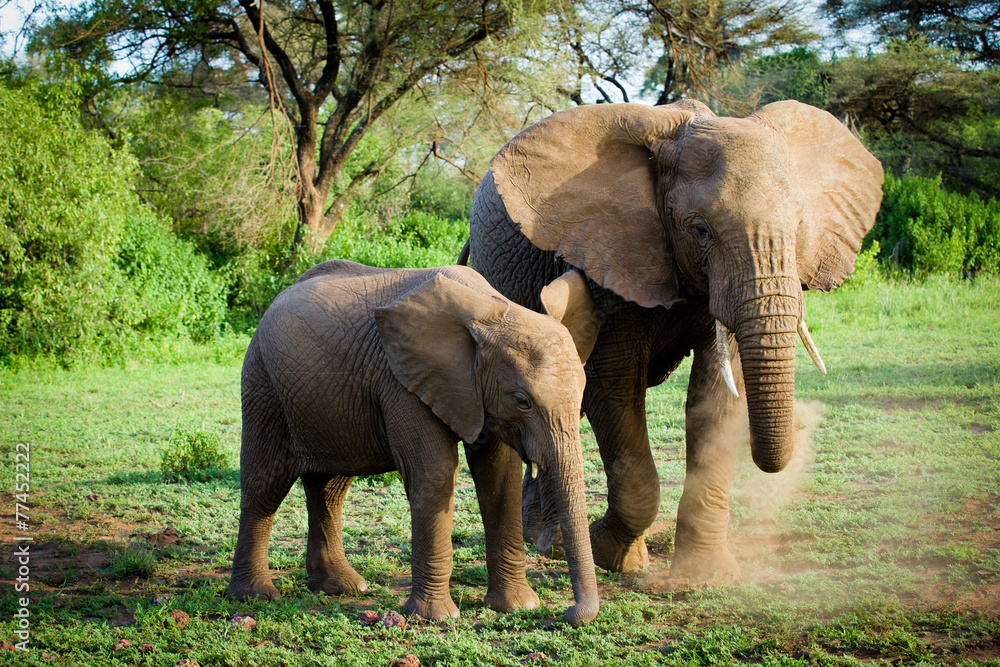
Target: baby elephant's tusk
[(534, 470), (722, 349), (811, 347)]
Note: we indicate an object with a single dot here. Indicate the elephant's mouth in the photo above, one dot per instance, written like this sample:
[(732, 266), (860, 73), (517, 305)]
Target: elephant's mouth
[(726, 368), (532, 465)]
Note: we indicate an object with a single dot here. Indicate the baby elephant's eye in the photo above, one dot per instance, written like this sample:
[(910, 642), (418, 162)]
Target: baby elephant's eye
[(522, 402)]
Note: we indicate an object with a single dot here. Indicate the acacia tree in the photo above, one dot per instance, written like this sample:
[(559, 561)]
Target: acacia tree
[(971, 27), (677, 47), (333, 68), (929, 101)]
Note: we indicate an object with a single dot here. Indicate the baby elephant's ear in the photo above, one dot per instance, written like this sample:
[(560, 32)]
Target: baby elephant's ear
[(426, 336), (568, 299)]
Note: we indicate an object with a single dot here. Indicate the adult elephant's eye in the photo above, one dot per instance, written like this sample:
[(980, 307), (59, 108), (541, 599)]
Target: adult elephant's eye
[(522, 402), (701, 229)]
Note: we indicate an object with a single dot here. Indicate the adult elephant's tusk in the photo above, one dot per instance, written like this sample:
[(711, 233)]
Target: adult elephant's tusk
[(811, 347), (722, 349), (534, 470)]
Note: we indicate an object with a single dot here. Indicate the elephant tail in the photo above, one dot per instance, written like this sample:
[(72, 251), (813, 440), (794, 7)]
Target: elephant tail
[(463, 257)]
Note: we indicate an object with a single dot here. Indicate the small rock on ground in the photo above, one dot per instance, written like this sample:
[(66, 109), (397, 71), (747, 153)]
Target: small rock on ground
[(243, 621), (368, 617), (408, 660), (179, 618), (122, 620), (393, 619)]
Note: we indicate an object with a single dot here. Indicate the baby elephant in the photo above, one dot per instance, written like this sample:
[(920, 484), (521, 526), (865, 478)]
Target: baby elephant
[(357, 371)]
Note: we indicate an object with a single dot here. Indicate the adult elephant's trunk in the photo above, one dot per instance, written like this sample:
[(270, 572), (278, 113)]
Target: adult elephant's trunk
[(572, 508), (765, 327)]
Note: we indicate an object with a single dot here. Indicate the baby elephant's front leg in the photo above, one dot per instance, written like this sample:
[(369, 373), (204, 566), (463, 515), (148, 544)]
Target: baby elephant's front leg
[(430, 489), (496, 470)]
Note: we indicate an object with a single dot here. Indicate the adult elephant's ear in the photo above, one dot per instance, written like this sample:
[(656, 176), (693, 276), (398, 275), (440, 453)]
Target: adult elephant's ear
[(582, 183), (427, 338), (568, 299), (842, 183)]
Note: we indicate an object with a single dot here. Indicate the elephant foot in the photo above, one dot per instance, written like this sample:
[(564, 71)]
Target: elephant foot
[(341, 581), (614, 554), (248, 588), (511, 597), (550, 543), (433, 609), (704, 566)]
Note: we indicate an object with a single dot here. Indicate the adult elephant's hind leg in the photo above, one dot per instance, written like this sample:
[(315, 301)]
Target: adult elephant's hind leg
[(618, 417), (327, 568), (265, 479), (713, 424)]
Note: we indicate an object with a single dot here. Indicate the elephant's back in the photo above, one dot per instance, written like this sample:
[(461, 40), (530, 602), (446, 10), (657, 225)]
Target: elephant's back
[(339, 269), (503, 255), (323, 327)]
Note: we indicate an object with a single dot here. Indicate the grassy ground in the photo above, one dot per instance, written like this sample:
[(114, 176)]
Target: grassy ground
[(880, 544)]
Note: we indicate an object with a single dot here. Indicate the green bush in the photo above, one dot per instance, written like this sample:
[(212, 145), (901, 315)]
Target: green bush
[(193, 455), (131, 561), (416, 239), (926, 229), (171, 289), (87, 266), (443, 194), (867, 270)]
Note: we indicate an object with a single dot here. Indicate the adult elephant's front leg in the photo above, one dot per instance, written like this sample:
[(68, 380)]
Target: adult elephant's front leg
[(616, 409), (713, 424)]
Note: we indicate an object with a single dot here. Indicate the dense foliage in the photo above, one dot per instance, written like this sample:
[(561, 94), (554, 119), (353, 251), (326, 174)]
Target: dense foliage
[(923, 227), (87, 266), (415, 239)]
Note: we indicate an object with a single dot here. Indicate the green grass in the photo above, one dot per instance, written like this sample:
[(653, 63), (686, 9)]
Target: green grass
[(882, 546)]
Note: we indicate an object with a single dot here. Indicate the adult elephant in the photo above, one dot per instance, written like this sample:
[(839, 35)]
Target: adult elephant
[(698, 233)]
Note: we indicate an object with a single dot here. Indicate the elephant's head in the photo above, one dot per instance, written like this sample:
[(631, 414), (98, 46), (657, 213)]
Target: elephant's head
[(491, 369), (659, 203)]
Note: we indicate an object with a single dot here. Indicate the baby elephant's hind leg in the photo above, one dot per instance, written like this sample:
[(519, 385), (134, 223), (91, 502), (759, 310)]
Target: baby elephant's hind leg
[(326, 564), (263, 485)]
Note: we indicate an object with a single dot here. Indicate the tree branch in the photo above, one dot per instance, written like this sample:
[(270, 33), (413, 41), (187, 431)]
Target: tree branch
[(475, 178), (302, 96), (328, 79)]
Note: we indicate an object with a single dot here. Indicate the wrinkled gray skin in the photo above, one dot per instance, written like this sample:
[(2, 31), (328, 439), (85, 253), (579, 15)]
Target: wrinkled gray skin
[(680, 219), (358, 371)]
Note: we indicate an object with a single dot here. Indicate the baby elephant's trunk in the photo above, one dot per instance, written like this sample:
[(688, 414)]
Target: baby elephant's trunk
[(571, 503)]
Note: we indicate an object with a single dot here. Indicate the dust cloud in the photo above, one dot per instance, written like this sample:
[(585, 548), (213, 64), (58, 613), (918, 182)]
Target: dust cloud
[(766, 493), (757, 497)]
